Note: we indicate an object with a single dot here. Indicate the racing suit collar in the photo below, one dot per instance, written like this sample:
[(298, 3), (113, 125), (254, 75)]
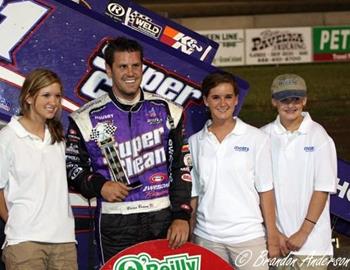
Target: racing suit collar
[(125, 107)]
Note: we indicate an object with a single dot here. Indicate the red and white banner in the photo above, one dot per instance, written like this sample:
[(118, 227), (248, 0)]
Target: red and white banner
[(156, 255)]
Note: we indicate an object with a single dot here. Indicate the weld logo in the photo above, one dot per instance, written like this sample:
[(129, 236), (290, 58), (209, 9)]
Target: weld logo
[(309, 148), (241, 148), (279, 40), (144, 24), (145, 262), (180, 41)]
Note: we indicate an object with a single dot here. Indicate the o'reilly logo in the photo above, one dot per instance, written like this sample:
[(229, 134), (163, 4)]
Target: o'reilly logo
[(144, 261)]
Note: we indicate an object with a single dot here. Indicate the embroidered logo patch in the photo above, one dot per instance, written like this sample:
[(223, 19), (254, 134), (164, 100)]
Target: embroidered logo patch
[(309, 148), (241, 148)]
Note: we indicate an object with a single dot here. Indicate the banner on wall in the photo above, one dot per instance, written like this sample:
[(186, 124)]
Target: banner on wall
[(331, 43), (231, 46), (278, 46)]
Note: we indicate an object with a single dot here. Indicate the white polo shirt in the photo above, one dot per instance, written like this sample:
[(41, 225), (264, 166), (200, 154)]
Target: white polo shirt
[(227, 177), (33, 176), (303, 162)]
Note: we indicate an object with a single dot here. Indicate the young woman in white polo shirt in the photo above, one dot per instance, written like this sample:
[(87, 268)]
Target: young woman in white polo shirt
[(34, 197), (232, 182), (305, 171)]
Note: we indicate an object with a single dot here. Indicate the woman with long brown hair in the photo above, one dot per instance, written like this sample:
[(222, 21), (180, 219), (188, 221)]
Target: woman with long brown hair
[(33, 187)]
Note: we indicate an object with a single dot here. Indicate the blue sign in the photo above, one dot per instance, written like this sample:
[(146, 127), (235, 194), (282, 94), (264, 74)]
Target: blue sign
[(340, 202)]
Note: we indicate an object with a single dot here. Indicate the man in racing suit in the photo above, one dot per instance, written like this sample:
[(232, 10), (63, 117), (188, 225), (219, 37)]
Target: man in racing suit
[(148, 196)]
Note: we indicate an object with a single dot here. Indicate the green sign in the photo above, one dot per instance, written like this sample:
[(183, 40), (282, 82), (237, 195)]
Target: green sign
[(331, 39)]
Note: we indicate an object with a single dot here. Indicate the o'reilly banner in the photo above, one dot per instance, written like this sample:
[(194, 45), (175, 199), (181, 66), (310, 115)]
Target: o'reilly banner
[(331, 43)]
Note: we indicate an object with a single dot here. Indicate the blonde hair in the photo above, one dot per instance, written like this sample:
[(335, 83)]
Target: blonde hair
[(34, 82)]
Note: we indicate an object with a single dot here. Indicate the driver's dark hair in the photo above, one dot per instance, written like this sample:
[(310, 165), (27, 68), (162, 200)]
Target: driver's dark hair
[(121, 44)]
